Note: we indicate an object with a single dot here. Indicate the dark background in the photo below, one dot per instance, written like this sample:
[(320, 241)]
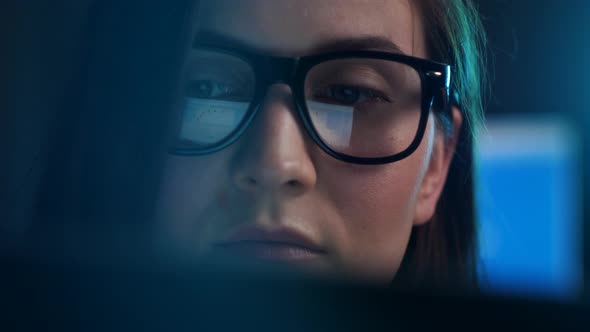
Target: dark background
[(539, 50)]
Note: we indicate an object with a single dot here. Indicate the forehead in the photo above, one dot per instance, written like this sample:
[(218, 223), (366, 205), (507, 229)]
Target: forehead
[(298, 27)]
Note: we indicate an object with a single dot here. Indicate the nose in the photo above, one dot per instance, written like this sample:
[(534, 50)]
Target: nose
[(273, 155)]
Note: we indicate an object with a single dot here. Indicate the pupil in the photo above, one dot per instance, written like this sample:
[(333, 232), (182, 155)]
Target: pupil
[(201, 89), (346, 94)]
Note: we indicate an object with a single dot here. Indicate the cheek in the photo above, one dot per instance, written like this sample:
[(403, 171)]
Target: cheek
[(382, 191), (373, 203), (190, 186), (187, 185), (375, 207), (373, 194)]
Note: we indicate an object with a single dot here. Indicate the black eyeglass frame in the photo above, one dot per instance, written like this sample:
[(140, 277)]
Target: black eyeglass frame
[(435, 80)]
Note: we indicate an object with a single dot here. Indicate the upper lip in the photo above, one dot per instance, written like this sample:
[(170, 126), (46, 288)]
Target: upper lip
[(279, 236)]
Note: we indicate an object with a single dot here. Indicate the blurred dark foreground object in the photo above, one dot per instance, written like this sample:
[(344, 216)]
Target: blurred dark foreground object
[(139, 297), (88, 91)]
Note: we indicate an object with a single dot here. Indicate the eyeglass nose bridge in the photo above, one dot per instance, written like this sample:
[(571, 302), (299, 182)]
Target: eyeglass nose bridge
[(280, 70)]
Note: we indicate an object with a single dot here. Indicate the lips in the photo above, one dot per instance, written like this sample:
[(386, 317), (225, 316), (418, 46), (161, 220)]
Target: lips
[(279, 244)]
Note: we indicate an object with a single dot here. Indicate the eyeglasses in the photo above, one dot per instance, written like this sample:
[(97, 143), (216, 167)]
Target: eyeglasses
[(363, 107)]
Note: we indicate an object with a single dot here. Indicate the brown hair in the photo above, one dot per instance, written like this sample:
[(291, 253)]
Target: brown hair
[(443, 252)]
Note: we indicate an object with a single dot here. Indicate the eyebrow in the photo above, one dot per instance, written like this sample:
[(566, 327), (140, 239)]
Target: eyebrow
[(370, 42), (380, 43)]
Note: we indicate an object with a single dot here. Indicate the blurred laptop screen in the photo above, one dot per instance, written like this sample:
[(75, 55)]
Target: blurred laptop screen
[(530, 207)]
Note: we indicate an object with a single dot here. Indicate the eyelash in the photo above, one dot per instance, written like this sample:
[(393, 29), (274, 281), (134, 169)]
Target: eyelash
[(217, 89), (369, 94)]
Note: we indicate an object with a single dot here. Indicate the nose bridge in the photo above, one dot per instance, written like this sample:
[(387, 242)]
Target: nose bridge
[(277, 160), (279, 82)]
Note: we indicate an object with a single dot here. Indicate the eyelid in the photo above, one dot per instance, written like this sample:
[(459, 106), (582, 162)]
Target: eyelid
[(376, 84), (367, 92), (360, 87), (234, 78)]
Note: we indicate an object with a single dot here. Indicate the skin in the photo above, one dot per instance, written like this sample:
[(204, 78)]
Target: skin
[(360, 215)]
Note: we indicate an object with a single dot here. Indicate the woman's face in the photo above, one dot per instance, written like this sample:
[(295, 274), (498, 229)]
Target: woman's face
[(274, 195)]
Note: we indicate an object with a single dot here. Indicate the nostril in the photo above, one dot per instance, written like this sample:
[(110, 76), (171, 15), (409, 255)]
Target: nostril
[(251, 181), (294, 186)]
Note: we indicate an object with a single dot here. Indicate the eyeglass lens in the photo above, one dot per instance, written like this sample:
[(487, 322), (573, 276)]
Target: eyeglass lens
[(361, 107)]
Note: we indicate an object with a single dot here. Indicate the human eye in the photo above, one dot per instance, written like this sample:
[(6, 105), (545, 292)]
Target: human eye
[(211, 89), (350, 95), (219, 76)]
